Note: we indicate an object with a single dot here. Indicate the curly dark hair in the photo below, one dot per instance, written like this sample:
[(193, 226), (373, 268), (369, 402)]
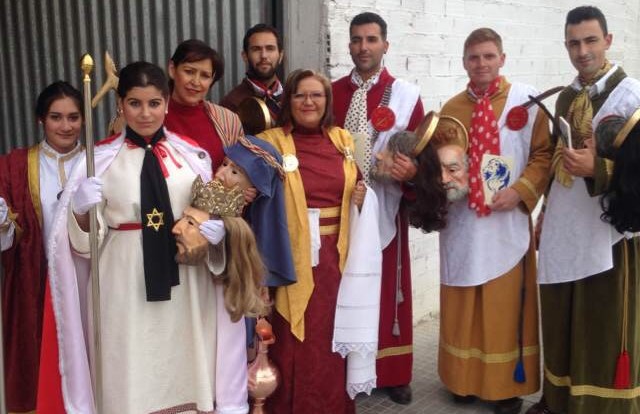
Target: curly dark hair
[(621, 200), (428, 211)]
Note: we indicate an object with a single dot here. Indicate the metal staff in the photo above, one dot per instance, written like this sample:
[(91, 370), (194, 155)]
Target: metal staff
[(87, 66)]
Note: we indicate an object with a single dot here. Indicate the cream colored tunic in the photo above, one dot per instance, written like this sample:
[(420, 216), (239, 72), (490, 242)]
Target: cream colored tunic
[(157, 356)]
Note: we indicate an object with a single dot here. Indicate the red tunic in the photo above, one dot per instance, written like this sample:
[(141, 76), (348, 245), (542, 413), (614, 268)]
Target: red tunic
[(194, 122), (23, 286), (395, 353), (313, 378)]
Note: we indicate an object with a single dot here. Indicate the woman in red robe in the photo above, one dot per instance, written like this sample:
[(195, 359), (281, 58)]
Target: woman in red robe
[(193, 69), (30, 181), (321, 180)]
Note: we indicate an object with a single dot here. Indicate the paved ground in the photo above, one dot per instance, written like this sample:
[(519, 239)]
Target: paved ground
[(429, 396)]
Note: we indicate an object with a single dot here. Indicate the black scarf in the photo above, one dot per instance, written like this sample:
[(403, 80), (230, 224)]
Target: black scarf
[(158, 243)]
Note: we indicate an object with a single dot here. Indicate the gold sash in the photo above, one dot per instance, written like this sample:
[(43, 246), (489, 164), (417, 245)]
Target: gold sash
[(291, 301), (579, 116)]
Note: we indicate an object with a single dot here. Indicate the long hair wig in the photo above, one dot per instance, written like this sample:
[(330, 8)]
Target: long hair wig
[(621, 200), (244, 273), (429, 209)]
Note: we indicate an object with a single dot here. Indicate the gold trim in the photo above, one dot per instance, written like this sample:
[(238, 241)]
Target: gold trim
[(394, 351), (250, 115), (330, 212), (622, 135), (33, 176), (61, 159), (329, 229), (608, 165), (425, 131), (591, 390), (529, 185), (496, 358), (11, 218), (22, 412)]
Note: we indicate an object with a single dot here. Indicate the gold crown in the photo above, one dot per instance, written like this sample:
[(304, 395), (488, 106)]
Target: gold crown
[(215, 199)]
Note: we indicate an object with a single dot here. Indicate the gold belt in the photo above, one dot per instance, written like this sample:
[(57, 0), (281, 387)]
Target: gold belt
[(328, 213)]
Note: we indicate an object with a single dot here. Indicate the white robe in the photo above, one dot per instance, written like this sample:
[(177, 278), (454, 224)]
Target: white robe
[(176, 356)]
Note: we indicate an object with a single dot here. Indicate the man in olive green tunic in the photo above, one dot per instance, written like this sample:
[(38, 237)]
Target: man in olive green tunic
[(590, 325)]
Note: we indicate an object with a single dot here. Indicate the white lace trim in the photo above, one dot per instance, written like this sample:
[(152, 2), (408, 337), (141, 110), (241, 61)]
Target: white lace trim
[(366, 387), (364, 349)]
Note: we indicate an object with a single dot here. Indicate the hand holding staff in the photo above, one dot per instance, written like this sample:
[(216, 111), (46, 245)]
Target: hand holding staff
[(87, 67)]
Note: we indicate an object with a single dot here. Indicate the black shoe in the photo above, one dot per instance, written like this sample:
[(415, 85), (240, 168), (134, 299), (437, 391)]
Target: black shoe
[(400, 394), (539, 408), (508, 406), (464, 399)]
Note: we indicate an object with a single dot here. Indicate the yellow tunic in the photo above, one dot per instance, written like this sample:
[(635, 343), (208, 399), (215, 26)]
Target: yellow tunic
[(479, 324)]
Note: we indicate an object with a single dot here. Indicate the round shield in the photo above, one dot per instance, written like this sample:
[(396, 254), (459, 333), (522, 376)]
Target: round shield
[(517, 118), (289, 162), (254, 114), (383, 118)]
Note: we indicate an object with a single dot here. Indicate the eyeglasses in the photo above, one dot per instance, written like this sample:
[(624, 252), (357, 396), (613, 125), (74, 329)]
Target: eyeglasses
[(302, 97)]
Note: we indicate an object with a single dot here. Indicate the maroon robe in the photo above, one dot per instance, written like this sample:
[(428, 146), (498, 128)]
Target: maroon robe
[(194, 122), (395, 353), (23, 286), (313, 378)]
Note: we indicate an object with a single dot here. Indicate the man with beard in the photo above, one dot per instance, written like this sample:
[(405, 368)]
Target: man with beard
[(455, 171), (211, 232), (373, 105), (451, 142), (262, 53)]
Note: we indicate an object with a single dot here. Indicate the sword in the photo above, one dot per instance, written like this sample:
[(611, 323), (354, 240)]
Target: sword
[(96, 362), (543, 95), (538, 101)]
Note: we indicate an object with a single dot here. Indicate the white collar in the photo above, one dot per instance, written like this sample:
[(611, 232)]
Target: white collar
[(50, 152), (597, 87), (357, 80)]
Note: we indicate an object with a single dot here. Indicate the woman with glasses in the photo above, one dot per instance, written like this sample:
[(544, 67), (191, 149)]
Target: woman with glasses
[(322, 183)]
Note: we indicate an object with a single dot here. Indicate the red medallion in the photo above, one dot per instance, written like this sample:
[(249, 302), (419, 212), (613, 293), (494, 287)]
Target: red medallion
[(517, 118), (383, 118)]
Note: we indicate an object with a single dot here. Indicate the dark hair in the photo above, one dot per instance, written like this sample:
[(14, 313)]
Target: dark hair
[(368, 17), (291, 87), (429, 209), (53, 92), (142, 74), (481, 35), (194, 50), (261, 28), (583, 13), (621, 200)]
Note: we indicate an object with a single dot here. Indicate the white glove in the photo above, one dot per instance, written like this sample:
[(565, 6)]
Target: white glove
[(4, 211), (213, 231), (89, 194)]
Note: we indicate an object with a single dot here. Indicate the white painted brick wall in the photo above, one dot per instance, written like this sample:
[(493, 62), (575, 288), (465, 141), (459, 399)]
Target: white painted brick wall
[(426, 38)]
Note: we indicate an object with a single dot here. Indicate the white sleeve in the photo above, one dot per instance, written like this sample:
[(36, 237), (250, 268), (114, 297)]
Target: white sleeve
[(6, 237), (231, 361), (79, 238)]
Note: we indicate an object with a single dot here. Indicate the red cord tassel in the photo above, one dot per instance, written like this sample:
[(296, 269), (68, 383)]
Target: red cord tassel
[(622, 380)]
